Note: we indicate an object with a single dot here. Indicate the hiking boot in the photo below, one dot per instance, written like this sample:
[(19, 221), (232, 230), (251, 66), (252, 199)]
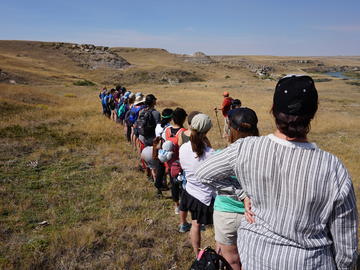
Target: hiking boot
[(184, 227)]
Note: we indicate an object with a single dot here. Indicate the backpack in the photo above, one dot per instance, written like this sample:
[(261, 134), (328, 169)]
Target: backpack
[(174, 138), (208, 259), (104, 100), (111, 102), (146, 123), (134, 113), (122, 111)]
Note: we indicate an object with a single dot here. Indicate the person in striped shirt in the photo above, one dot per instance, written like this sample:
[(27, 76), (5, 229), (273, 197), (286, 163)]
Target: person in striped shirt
[(302, 197)]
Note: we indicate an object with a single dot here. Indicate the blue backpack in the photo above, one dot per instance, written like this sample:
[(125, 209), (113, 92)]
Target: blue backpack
[(104, 100), (134, 113)]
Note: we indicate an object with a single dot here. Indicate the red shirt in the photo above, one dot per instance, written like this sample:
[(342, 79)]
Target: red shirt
[(226, 106)]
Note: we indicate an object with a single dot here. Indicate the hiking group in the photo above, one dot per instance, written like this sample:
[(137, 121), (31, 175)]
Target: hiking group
[(276, 201)]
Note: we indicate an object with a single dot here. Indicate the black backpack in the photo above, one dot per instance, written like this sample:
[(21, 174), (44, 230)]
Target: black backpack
[(146, 123), (210, 260)]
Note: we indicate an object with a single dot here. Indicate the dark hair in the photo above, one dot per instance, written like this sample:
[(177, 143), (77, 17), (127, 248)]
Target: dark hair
[(235, 103), (150, 100), (199, 142), (191, 116), (244, 120), (293, 126), (166, 116), (179, 116)]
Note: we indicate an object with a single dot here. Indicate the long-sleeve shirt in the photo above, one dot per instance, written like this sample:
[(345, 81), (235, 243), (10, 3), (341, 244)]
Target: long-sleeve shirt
[(303, 199)]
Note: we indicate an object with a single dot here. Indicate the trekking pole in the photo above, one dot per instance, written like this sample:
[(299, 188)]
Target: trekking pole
[(217, 119)]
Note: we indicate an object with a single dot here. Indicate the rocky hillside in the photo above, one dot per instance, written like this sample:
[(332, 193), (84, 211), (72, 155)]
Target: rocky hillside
[(90, 56)]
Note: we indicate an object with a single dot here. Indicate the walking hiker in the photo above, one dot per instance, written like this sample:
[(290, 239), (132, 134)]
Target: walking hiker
[(166, 117), (172, 134), (225, 107), (133, 115), (111, 103), (229, 207), (198, 198), (147, 121), (302, 197), (104, 102), (128, 124)]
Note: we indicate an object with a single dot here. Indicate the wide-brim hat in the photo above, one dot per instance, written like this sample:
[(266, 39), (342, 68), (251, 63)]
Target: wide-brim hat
[(139, 99)]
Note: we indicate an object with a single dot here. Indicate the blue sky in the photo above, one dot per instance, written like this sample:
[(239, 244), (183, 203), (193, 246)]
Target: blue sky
[(280, 27)]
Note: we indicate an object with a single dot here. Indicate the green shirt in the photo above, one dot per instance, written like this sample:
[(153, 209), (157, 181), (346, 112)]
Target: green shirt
[(227, 204)]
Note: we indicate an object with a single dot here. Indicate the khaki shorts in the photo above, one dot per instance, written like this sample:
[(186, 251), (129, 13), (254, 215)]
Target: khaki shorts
[(226, 225)]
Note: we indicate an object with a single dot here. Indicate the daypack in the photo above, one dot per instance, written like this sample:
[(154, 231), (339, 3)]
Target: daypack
[(104, 100), (111, 102), (174, 138), (122, 111), (146, 123), (208, 259), (134, 113)]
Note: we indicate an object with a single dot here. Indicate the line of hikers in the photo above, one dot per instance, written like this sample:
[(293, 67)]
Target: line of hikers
[(275, 201)]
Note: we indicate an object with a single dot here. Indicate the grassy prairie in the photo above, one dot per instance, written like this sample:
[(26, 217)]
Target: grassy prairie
[(71, 197)]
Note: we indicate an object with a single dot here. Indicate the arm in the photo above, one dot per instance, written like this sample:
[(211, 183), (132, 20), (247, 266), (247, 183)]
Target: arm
[(344, 225), (218, 168)]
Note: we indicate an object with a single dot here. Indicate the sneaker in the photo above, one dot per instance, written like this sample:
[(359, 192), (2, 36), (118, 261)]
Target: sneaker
[(184, 227), (177, 210)]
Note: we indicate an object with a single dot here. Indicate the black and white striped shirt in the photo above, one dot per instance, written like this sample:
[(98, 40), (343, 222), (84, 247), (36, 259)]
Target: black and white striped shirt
[(303, 198)]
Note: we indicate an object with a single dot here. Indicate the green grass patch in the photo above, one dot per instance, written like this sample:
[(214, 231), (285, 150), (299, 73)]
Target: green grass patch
[(84, 83)]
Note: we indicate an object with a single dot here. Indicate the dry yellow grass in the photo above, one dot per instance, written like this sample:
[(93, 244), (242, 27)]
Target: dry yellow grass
[(62, 162)]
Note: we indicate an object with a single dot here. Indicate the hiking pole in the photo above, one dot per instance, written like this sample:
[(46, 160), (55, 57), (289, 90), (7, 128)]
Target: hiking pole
[(217, 119)]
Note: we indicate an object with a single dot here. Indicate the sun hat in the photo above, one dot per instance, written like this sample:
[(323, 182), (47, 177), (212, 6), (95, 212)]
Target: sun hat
[(242, 119), (139, 99), (201, 123), (226, 94), (127, 94), (295, 95)]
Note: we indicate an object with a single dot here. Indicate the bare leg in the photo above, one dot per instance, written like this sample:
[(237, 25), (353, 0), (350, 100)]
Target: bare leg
[(195, 236), (183, 215), (231, 255)]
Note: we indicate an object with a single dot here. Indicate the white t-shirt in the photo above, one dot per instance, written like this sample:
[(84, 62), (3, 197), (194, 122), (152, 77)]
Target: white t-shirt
[(190, 163), (160, 131)]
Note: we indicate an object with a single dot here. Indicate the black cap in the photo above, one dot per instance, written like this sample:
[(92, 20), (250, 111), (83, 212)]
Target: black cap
[(296, 95), (149, 99), (242, 119)]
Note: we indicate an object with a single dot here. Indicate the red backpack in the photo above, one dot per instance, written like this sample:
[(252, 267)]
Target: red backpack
[(174, 164)]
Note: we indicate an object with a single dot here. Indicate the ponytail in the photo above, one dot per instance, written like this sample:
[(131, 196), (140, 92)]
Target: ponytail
[(199, 142)]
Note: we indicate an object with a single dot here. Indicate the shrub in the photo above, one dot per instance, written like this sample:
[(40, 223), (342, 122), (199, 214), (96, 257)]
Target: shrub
[(354, 83), (70, 95), (83, 83), (322, 80)]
